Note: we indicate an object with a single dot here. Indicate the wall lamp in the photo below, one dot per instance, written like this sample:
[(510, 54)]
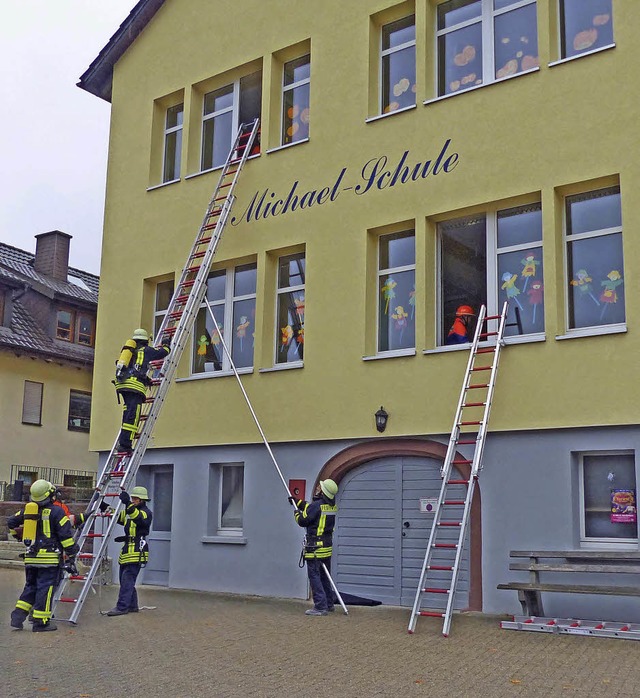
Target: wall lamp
[(382, 417)]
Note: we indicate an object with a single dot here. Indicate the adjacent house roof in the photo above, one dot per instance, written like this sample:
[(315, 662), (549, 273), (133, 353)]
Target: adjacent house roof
[(98, 77)]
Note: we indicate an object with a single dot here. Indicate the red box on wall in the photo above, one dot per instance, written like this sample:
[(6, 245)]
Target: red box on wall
[(297, 488)]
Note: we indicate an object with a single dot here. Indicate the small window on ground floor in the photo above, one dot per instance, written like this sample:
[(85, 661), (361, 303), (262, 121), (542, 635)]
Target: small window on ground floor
[(79, 410), (226, 499)]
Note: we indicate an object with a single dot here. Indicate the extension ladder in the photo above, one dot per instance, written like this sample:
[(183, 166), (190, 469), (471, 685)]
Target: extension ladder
[(120, 469), (571, 626), (441, 566)]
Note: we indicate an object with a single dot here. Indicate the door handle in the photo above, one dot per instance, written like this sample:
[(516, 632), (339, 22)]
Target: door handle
[(406, 524)]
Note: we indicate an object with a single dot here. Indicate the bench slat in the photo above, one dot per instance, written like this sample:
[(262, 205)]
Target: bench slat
[(572, 588), (574, 567), (620, 555)]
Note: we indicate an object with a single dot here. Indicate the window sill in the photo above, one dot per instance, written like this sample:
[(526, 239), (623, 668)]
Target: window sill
[(282, 367), (594, 331), (216, 169), (391, 113), (229, 540), (514, 339), (287, 145), (390, 354), (213, 374), (582, 55), (479, 87), (164, 184), (604, 544)]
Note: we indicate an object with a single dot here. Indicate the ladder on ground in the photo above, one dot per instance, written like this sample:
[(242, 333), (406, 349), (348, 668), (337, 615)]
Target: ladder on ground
[(572, 626), (441, 567), (121, 468)]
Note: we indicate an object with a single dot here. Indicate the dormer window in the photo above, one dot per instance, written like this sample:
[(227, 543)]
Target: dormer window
[(75, 326)]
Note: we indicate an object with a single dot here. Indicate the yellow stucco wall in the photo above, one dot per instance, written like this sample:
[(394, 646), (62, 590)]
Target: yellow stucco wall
[(535, 134), (51, 444)]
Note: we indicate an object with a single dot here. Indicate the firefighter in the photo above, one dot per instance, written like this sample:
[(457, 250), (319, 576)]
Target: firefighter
[(319, 518), (459, 332), (132, 382), (50, 539), (136, 518)]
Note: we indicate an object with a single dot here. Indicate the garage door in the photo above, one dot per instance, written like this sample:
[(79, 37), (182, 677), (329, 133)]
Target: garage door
[(382, 536)]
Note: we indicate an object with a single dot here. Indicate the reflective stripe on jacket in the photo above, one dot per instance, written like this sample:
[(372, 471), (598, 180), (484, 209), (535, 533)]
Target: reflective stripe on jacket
[(53, 535), (143, 355), (319, 518), (137, 523)]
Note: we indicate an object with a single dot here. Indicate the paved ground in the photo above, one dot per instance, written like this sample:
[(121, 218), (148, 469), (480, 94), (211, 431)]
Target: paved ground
[(197, 644)]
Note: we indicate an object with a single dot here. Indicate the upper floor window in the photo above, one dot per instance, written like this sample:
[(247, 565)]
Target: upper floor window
[(585, 25), (290, 309), (295, 99), (231, 294), (398, 64), (172, 143), (488, 258), (75, 326), (79, 410), (396, 291), (480, 41), (164, 294), (593, 239), (224, 110)]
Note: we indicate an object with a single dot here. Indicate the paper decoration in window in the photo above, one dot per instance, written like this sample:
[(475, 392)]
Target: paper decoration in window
[(241, 329), (529, 268), (299, 302), (412, 301), (400, 320), (623, 506), (536, 297), (467, 54), (203, 344), (387, 292), (582, 282), (609, 295), (401, 87), (510, 288)]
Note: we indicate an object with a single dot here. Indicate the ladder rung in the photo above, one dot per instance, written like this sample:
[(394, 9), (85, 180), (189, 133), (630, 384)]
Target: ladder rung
[(77, 577), (482, 368), (187, 284), (85, 556), (468, 424), (182, 299), (431, 614), (441, 568), (488, 334), (474, 404), (487, 350), (449, 523), (149, 399), (493, 317), (67, 599), (445, 545), (458, 482), (169, 330), (478, 385), (465, 442), (190, 270), (432, 590), (454, 502), (97, 535), (197, 255), (461, 461), (116, 473)]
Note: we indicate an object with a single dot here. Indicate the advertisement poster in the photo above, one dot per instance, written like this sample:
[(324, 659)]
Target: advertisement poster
[(623, 506)]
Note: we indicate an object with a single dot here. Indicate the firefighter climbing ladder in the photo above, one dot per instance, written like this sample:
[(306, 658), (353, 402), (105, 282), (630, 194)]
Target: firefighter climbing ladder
[(444, 550), (121, 468)]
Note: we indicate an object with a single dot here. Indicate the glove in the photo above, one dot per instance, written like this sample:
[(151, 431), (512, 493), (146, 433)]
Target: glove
[(70, 566), (291, 501), (166, 340), (72, 551), (125, 498), (103, 506)]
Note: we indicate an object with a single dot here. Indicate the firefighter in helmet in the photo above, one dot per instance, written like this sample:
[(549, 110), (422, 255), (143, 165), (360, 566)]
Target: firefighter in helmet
[(47, 532), (459, 332), (132, 381)]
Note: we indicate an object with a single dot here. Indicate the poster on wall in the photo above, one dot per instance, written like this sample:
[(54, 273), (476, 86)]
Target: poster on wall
[(623, 506)]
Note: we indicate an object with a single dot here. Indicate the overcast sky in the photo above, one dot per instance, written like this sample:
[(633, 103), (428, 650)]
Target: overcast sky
[(53, 135)]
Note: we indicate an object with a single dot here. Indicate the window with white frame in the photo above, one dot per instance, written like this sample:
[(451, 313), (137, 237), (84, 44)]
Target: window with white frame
[(595, 269), (224, 110), (295, 99), (480, 41), (290, 308), (164, 293), (585, 25), (398, 65), (396, 291), (608, 498), (79, 410), (489, 258), (32, 403), (231, 295), (226, 499), (172, 143)]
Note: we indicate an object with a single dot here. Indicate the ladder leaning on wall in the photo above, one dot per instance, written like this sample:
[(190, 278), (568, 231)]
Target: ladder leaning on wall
[(441, 567), (120, 469)]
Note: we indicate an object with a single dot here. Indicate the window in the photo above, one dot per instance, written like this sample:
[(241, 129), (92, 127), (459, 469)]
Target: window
[(295, 100), (224, 110), (398, 69), (585, 25), (231, 294), (32, 403), (172, 143), (396, 291), (75, 326), (79, 410), (164, 294), (162, 493), (594, 259), (480, 41), (608, 498), (290, 309), (226, 496), (491, 258)]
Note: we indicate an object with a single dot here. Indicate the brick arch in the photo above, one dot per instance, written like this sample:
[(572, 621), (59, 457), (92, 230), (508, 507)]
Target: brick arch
[(353, 456)]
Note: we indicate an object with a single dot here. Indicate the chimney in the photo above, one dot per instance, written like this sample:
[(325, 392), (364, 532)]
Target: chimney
[(52, 254)]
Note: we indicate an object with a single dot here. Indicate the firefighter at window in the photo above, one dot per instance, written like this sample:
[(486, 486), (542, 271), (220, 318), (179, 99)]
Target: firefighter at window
[(459, 332), (46, 531), (132, 381), (319, 518), (136, 518)]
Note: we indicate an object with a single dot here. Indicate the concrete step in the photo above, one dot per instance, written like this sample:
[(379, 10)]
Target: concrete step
[(12, 564)]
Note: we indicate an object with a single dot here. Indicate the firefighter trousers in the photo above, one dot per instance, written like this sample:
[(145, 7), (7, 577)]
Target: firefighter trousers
[(130, 416), (37, 594), (128, 596), (321, 588)]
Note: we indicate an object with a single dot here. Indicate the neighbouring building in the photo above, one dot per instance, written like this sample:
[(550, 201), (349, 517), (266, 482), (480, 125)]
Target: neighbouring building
[(47, 339), (414, 157)]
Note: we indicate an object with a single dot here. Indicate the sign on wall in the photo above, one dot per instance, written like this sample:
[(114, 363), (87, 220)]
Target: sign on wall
[(428, 505)]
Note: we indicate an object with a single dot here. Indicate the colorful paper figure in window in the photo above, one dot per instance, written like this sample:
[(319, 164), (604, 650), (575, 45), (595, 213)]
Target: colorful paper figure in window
[(510, 288), (536, 297), (300, 337), (582, 282), (412, 301), (609, 295), (387, 292), (203, 344), (299, 302), (241, 329), (286, 335), (529, 268), (400, 321)]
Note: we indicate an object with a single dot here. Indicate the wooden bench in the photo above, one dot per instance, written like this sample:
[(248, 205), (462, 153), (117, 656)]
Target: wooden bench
[(569, 561)]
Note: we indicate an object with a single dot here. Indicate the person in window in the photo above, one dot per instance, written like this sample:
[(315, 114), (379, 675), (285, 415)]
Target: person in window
[(459, 332), (136, 518), (319, 518), (132, 381)]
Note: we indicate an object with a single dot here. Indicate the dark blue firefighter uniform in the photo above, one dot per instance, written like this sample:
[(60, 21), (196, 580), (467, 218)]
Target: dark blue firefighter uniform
[(134, 554)]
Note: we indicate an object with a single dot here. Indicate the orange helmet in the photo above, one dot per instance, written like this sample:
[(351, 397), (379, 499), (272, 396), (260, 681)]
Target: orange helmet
[(465, 310)]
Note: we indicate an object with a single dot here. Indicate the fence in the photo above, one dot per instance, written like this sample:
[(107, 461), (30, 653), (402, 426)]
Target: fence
[(77, 485)]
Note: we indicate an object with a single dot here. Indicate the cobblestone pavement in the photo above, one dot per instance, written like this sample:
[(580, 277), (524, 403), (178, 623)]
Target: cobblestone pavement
[(211, 645)]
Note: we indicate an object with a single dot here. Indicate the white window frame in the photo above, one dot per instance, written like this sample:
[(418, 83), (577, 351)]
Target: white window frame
[(234, 109), (280, 292), (288, 88), (168, 131), (388, 52), (561, 29), (32, 400), (217, 473), (158, 315)]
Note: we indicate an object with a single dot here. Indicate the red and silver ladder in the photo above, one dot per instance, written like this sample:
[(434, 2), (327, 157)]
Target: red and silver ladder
[(441, 567), (120, 469), (572, 626)]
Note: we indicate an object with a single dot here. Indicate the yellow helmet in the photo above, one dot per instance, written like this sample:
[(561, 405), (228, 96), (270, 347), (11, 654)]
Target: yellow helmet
[(140, 335), (41, 490), (329, 488), (140, 493)]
